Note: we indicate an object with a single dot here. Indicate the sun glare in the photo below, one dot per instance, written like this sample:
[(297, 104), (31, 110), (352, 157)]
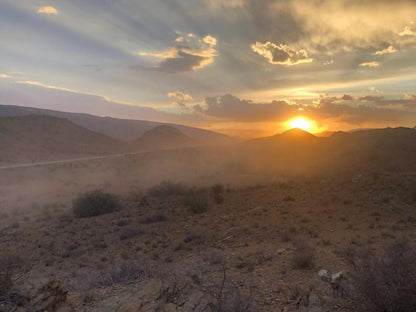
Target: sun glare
[(300, 123)]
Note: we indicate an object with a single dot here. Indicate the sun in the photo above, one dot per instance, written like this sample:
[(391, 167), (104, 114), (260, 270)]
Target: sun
[(300, 123)]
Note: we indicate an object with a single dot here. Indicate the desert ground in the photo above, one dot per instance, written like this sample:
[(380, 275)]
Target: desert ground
[(195, 232)]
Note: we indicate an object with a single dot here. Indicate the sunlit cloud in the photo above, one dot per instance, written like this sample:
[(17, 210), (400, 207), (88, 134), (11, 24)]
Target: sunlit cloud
[(387, 50), (190, 53), (40, 84), (47, 10), (345, 25), (4, 76), (374, 89), (346, 109), (409, 30), (210, 40), (370, 64), (329, 62), (180, 96), (281, 54)]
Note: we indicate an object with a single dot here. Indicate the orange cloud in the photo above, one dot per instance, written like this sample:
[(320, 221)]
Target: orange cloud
[(388, 50), (47, 10), (281, 54), (370, 64)]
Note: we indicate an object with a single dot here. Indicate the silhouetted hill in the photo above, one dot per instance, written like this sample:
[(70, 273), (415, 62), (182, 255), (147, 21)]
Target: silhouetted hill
[(293, 136), (120, 129), (301, 152), (37, 137), (162, 137)]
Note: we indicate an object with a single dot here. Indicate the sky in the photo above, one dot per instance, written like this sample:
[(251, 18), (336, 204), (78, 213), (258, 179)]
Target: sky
[(240, 67)]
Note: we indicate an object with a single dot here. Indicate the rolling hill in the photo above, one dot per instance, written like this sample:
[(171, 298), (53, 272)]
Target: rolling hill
[(121, 129), (39, 138), (162, 137)]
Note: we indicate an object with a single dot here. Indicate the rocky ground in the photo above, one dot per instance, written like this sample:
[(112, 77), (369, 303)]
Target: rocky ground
[(287, 244)]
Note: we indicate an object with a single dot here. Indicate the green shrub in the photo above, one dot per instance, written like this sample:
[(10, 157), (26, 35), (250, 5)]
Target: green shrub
[(94, 203)]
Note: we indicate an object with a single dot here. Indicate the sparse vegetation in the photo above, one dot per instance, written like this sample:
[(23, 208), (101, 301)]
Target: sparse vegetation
[(304, 255), (386, 283), (130, 232), (218, 191), (196, 200), (5, 278), (95, 203), (166, 189), (153, 219)]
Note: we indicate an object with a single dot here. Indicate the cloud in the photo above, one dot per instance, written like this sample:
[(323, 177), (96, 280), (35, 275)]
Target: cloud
[(180, 96), (36, 94), (370, 64), (43, 85), (219, 4), (210, 40), (232, 108), (327, 109), (388, 50), (408, 30), (371, 98), (47, 10), (4, 76), (410, 97), (329, 62), (374, 89), (281, 54), (190, 53)]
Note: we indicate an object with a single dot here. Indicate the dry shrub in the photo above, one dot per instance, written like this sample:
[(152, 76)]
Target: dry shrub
[(94, 203), (196, 200), (304, 255), (153, 219), (166, 189), (125, 272), (386, 283), (228, 297)]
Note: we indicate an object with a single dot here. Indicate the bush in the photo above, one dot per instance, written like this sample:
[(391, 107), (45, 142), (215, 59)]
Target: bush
[(166, 189), (387, 283), (94, 203), (154, 219), (130, 232), (196, 200), (218, 191), (5, 279), (304, 256)]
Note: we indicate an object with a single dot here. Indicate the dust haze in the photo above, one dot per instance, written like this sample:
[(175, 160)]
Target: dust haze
[(203, 222)]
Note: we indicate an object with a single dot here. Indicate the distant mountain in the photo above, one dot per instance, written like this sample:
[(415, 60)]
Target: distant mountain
[(162, 137), (297, 151), (121, 129), (292, 136), (325, 134), (38, 138)]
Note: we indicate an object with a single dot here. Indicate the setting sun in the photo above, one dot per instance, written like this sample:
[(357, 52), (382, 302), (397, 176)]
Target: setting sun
[(300, 123)]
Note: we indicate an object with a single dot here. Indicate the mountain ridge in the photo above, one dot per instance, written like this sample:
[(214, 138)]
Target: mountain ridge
[(117, 128)]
